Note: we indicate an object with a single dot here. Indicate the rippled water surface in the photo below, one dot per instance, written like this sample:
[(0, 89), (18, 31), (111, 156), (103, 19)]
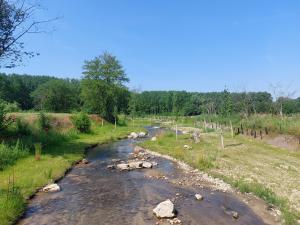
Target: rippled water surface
[(93, 195)]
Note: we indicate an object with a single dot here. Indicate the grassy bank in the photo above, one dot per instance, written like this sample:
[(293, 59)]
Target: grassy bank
[(250, 165), (24, 175), (273, 123)]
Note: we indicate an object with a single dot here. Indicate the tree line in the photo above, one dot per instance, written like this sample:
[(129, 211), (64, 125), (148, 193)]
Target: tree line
[(103, 91), (182, 103)]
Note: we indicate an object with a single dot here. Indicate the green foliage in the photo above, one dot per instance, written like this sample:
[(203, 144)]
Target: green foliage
[(10, 154), (81, 122), (18, 88), (57, 96), (11, 107), (44, 122), (227, 106), (22, 128), (102, 89), (4, 119), (37, 151), (182, 103), (11, 205)]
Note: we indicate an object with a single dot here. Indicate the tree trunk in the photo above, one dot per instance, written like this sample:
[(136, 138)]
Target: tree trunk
[(222, 140)]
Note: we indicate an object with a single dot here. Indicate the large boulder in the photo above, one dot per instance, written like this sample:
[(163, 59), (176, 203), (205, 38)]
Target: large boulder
[(165, 209), (147, 165), (123, 166), (142, 135), (51, 188), (133, 135), (135, 165), (199, 197)]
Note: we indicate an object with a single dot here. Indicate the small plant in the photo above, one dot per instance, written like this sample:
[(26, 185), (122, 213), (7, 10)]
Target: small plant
[(48, 175), (81, 122), (37, 151), (44, 122)]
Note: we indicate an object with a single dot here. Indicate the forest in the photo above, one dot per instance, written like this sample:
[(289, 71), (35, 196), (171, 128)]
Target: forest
[(52, 94)]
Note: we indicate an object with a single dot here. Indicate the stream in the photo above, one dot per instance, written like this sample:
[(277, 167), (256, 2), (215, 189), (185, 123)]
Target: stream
[(92, 194)]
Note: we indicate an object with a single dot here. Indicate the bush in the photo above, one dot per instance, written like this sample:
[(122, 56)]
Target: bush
[(44, 122), (22, 127), (5, 120), (11, 107), (81, 122)]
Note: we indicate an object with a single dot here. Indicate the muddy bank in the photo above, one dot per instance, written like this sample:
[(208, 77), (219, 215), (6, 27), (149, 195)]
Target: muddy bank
[(93, 194)]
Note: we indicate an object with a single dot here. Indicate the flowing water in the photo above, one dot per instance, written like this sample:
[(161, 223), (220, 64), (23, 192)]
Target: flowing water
[(92, 194)]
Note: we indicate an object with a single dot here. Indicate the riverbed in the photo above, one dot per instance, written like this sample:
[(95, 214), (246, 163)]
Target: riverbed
[(92, 194)]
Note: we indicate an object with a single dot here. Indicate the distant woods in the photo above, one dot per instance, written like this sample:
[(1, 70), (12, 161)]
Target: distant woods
[(102, 90)]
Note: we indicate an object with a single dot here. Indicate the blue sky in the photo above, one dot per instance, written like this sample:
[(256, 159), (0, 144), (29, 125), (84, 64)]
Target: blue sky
[(172, 44)]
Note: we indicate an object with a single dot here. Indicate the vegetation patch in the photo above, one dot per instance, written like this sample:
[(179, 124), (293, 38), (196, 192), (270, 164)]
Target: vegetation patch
[(244, 163)]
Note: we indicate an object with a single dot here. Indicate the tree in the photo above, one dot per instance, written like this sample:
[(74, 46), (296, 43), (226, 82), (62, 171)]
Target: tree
[(103, 91), (107, 68), (16, 21), (56, 96), (227, 105)]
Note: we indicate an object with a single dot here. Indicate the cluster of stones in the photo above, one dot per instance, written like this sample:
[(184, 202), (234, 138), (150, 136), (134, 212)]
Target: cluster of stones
[(134, 135), (137, 160)]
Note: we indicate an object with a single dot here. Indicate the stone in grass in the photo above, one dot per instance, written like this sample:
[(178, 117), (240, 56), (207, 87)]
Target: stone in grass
[(165, 209), (198, 197), (51, 188), (153, 138), (84, 161)]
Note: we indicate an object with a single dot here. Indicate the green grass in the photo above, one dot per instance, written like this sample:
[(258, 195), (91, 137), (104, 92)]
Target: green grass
[(10, 154), (59, 153), (271, 173)]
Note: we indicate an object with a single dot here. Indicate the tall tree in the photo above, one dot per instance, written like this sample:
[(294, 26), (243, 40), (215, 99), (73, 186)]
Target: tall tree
[(103, 86)]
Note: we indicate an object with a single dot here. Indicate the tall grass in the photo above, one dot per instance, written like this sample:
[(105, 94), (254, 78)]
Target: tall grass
[(10, 154)]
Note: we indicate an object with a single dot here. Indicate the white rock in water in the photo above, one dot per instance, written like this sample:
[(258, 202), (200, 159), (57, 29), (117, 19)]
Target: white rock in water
[(142, 134), (198, 197), (123, 166), (164, 209), (133, 135), (135, 165), (153, 138), (51, 188), (147, 165)]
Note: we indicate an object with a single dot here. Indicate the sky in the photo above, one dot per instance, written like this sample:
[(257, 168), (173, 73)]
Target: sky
[(203, 45)]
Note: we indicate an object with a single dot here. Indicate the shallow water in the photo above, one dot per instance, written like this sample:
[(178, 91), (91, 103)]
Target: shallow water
[(91, 194)]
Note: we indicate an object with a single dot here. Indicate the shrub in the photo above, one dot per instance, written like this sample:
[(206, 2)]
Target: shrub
[(11, 107), (81, 122), (37, 151), (22, 127), (44, 122), (4, 119)]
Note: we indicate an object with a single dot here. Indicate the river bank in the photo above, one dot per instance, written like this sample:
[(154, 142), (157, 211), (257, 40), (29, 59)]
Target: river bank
[(23, 179), (97, 194)]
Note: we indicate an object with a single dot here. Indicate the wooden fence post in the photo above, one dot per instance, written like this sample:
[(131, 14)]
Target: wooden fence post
[(222, 139)]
